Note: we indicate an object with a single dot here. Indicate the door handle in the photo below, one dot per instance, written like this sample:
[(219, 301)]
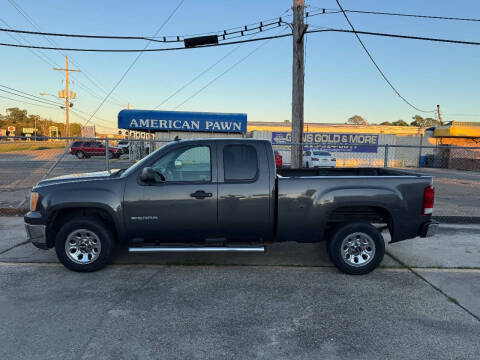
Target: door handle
[(200, 194)]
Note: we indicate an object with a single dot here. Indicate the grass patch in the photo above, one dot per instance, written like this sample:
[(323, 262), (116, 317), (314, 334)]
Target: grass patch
[(30, 146)]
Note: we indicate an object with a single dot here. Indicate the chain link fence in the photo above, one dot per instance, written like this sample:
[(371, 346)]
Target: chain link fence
[(394, 156), (24, 162)]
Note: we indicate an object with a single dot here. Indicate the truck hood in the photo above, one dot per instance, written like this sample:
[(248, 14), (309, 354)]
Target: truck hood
[(98, 175)]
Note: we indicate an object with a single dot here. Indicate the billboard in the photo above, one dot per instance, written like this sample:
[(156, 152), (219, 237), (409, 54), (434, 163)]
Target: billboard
[(88, 131), (335, 142), (151, 120)]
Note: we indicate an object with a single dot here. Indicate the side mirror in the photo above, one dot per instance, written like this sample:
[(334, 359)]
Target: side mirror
[(178, 164), (148, 175)]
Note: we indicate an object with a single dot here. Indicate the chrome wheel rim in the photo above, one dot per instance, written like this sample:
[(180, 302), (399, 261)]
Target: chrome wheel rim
[(83, 246), (358, 249)]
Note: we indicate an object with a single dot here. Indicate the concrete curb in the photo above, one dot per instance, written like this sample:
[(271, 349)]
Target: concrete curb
[(454, 219)]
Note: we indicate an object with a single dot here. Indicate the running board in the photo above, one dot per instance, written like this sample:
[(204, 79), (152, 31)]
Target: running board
[(153, 249)]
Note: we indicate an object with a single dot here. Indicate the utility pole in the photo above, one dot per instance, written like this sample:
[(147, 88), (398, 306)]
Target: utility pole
[(298, 74), (67, 95), (439, 116)]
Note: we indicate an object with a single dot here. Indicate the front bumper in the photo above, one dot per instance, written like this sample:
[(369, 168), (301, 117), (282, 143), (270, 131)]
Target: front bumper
[(36, 229), (37, 234), (429, 229)]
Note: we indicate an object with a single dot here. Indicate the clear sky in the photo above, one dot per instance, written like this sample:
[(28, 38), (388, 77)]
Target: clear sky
[(340, 80)]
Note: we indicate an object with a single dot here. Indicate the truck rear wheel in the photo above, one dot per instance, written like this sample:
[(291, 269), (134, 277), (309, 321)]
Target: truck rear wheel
[(84, 244), (356, 248)]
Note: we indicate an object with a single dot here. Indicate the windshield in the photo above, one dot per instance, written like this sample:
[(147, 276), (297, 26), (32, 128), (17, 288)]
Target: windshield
[(321, 153), (140, 163)]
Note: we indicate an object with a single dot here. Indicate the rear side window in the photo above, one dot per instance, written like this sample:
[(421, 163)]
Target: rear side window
[(77, 144), (87, 144), (240, 162)]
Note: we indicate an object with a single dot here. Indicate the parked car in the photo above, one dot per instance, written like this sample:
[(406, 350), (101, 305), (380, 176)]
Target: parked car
[(278, 159), (318, 158), (123, 146), (223, 195), (86, 149)]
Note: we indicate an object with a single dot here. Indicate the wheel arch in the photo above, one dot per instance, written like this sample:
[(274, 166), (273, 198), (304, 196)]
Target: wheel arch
[(60, 216), (370, 213)]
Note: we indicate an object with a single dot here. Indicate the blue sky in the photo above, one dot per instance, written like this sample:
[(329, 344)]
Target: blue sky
[(340, 80)]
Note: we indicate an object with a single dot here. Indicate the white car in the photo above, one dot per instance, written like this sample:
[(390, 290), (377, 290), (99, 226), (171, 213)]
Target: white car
[(123, 146), (318, 158)]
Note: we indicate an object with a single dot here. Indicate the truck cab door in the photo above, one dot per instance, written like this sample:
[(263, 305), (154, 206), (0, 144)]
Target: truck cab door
[(182, 207), (245, 190)]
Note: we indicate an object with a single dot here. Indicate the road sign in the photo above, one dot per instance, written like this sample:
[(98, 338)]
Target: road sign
[(11, 128), (29, 130)]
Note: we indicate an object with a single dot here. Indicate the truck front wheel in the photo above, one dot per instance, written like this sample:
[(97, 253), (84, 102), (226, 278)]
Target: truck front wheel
[(84, 244), (356, 248)]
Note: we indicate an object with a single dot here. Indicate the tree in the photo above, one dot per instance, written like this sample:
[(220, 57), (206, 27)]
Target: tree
[(421, 122), (357, 120), (20, 119), (400, 123), (386, 123)]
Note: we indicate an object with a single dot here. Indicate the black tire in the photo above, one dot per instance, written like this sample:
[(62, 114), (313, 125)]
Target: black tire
[(361, 232), (80, 154), (99, 230)]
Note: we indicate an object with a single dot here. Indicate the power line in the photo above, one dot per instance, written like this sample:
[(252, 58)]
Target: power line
[(53, 43), (134, 61), (29, 103), (29, 98), (260, 25), (31, 95), (223, 73), (239, 29), (37, 53), (199, 75), (398, 36), (376, 65), (435, 17), (77, 113)]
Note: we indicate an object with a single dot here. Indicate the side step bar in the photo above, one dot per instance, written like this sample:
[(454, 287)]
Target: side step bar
[(196, 249)]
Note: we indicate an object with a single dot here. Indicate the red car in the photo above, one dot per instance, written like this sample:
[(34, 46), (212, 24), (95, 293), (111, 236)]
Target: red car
[(86, 149), (278, 159)]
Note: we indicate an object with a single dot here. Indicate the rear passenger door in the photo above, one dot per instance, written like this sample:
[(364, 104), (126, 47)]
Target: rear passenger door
[(98, 149), (245, 211)]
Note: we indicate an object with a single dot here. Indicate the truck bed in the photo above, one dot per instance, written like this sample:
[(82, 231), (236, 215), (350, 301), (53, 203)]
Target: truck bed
[(311, 200)]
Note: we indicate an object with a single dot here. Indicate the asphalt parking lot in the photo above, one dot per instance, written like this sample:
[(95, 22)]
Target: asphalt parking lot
[(424, 302)]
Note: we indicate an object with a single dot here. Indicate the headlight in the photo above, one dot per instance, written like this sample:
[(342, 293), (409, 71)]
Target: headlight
[(33, 201)]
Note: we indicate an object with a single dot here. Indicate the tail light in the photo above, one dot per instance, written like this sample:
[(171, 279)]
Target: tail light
[(428, 200), (314, 159)]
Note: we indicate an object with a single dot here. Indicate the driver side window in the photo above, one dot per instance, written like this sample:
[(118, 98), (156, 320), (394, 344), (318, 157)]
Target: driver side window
[(187, 164)]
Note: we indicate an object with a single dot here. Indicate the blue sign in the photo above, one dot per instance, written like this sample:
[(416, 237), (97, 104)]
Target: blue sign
[(340, 142), (182, 121)]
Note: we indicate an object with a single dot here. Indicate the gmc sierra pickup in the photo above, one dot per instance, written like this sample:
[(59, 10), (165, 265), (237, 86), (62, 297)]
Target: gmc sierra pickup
[(227, 195)]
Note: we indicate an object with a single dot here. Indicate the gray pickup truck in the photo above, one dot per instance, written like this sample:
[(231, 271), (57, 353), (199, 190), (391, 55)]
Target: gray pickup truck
[(227, 195)]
